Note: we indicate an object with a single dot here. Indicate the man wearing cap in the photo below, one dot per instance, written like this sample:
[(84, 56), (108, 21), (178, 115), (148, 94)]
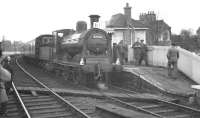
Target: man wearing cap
[(115, 52), (137, 51), (143, 53), (172, 56)]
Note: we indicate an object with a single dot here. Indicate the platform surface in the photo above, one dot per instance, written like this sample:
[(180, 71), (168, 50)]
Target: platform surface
[(158, 77)]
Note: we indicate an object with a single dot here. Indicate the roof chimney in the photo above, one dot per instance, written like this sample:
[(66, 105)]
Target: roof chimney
[(93, 18), (127, 11)]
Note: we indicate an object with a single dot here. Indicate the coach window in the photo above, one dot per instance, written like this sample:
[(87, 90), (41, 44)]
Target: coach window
[(45, 41)]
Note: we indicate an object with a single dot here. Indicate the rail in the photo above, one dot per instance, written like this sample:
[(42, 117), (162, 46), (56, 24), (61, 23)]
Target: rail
[(180, 106), (20, 100), (132, 106), (72, 107), (164, 101)]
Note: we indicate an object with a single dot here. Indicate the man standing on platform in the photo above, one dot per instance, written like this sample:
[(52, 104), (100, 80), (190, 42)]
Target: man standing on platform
[(172, 56), (115, 52), (137, 51), (143, 53), (121, 53)]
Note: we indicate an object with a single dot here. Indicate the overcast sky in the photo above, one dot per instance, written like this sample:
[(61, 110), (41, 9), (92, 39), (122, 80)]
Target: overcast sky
[(24, 20)]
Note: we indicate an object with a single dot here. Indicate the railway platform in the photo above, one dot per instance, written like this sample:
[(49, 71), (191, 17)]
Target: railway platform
[(158, 77)]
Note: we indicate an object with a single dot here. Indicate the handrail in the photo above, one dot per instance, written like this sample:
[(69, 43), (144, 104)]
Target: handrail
[(20, 100)]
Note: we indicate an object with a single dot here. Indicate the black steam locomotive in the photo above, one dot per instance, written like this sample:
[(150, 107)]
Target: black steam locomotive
[(84, 55)]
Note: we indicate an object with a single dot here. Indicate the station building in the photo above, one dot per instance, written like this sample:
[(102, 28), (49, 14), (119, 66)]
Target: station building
[(147, 28), (127, 30)]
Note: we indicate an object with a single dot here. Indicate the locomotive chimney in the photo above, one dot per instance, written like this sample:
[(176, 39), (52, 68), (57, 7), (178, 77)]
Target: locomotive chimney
[(93, 18)]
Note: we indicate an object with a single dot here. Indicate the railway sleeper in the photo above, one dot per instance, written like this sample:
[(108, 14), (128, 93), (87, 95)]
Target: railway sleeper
[(156, 106), (44, 111), (54, 106), (54, 115), (43, 103), (174, 114)]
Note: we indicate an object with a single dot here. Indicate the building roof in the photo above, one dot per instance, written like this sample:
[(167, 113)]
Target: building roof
[(120, 21), (159, 25)]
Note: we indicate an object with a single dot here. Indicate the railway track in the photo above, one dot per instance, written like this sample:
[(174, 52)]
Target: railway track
[(157, 107), (83, 103), (14, 107), (50, 105)]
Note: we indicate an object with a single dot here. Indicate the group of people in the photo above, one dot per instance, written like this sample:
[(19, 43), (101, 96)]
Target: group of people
[(120, 51), (140, 52), (5, 83)]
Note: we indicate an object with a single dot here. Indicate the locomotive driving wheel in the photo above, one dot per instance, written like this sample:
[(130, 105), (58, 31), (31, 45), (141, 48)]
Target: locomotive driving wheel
[(72, 75)]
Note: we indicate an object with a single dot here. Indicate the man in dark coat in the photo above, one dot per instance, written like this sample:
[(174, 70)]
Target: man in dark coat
[(5, 76), (137, 51), (115, 52), (172, 56), (7, 66), (143, 55)]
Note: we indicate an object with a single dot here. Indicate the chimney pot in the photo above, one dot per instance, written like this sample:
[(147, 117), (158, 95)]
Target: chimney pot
[(127, 5), (127, 12)]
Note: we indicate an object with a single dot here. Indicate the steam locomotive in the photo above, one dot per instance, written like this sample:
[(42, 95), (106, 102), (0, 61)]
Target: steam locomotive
[(84, 55)]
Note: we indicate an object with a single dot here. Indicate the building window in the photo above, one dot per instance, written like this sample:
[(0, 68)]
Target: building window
[(165, 36)]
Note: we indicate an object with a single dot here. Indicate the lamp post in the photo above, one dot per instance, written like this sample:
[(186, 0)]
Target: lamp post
[(132, 32), (130, 49)]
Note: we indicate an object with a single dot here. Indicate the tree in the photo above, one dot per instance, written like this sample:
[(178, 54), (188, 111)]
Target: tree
[(186, 34), (198, 32)]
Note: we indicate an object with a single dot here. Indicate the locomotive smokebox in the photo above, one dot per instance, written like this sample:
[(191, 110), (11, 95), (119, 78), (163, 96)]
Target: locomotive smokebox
[(93, 18), (81, 26)]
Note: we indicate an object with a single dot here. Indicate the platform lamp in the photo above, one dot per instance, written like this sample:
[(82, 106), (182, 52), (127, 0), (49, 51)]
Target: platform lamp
[(132, 29), (132, 38)]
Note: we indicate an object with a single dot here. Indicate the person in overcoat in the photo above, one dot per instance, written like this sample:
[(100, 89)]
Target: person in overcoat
[(5, 76), (137, 52), (172, 56), (114, 52), (143, 55), (7, 65)]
